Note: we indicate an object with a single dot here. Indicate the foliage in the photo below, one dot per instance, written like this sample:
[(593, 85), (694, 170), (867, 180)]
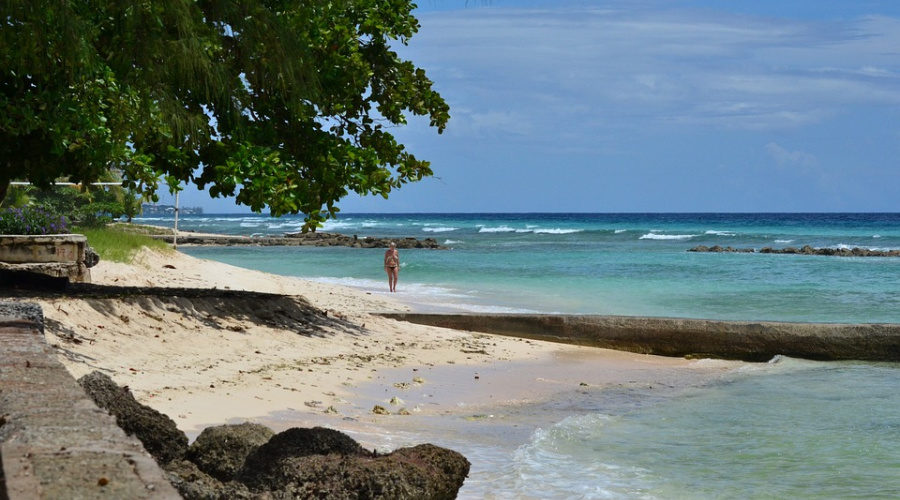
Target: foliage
[(114, 244), (285, 105), (31, 221), (85, 206)]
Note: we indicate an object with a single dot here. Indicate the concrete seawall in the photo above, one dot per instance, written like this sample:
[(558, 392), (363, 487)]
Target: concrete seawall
[(54, 441), (742, 340)]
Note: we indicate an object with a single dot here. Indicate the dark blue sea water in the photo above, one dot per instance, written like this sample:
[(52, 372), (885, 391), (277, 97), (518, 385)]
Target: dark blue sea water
[(786, 429)]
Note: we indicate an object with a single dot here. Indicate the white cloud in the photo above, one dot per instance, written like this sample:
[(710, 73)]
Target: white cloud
[(529, 68), (801, 160)]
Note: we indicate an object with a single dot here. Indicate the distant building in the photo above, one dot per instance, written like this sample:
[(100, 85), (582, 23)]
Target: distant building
[(153, 209)]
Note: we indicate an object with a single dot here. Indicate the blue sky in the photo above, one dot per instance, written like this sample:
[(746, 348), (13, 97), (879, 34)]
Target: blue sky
[(654, 106)]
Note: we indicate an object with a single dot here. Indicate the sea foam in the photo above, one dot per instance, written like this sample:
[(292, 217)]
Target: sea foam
[(656, 236)]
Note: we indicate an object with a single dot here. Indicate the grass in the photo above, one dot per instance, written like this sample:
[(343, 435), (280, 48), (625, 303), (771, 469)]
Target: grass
[(116, 244)]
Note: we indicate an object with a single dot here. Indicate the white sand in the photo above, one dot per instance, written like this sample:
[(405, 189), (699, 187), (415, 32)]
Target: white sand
[(210, 360)]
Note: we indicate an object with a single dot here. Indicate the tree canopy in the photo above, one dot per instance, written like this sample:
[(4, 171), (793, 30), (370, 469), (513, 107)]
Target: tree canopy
[(285, 104)]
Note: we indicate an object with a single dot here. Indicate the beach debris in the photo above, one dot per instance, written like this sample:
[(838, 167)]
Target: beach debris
[(583, 384), (102, 481), (313, 404), (477, 377), (331, 410), (396, 401), (380, 410), (418, 380), (402, 385), (403, 411)]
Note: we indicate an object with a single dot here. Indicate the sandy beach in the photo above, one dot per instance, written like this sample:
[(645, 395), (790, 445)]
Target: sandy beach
[(207, 343)]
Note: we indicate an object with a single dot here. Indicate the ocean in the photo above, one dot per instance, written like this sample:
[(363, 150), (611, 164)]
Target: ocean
[(785, 429)]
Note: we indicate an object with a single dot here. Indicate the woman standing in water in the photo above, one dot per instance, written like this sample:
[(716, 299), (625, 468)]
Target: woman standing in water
[(392, 266)]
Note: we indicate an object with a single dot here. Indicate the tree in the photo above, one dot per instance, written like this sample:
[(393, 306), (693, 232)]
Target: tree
[(285, 104)]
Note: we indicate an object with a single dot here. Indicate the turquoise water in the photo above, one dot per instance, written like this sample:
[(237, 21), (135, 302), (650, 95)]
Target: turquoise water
[(785, 429), (629, 264)]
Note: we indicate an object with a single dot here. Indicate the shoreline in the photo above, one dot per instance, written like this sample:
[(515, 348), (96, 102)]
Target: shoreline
[(308, 346)]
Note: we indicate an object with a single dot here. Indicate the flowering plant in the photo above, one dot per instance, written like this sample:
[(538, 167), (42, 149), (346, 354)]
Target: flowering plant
[(31, 221)]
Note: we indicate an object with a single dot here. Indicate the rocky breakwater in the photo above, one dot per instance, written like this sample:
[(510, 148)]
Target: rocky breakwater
[(805, 250), (250, 461), (335, 239), (302, 239)]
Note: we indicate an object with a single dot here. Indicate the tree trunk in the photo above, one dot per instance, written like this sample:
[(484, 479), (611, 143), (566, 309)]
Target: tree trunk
[(4, 188)]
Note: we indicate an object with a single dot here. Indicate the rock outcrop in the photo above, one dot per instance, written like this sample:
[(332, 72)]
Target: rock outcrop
[(160, 435), (303, 239), (805, 250), (221, 451), (250, 461)]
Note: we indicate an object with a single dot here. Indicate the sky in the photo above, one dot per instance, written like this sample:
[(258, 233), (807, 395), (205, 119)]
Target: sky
[(653, 106)]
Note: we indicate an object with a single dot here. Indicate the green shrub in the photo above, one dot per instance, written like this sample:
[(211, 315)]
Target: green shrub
[(32, 221)]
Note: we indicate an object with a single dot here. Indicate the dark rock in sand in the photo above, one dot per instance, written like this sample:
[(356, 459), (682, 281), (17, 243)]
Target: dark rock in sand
[(323, 463), (220, 451), (265, 466), (156, 431)]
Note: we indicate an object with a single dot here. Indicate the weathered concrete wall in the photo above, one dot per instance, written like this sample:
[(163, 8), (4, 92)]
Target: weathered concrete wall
[(54, 442), (745, 340), (50, 248), (57, 255)]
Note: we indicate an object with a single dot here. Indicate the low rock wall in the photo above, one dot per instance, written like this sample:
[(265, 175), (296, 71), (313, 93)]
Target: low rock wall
[(302, 239), (743, 340)]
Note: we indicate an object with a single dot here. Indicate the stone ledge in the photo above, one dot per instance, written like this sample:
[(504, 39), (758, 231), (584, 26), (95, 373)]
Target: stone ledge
[(54, 441), (681, 337)]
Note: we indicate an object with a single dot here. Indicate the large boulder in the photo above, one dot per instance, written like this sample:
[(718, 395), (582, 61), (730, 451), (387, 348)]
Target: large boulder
[(220, 451), (156, 431), (323, 463), (269, 465)]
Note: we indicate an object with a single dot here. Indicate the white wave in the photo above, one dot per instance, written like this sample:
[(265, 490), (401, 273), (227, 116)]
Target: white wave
[(843, 246), (876, 236), (784, 241), (332, 225), (528, 230), (620, 231), (720, 233), (439, 229), (655, 236), (452, 242), (501, 229), (557, 231)]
